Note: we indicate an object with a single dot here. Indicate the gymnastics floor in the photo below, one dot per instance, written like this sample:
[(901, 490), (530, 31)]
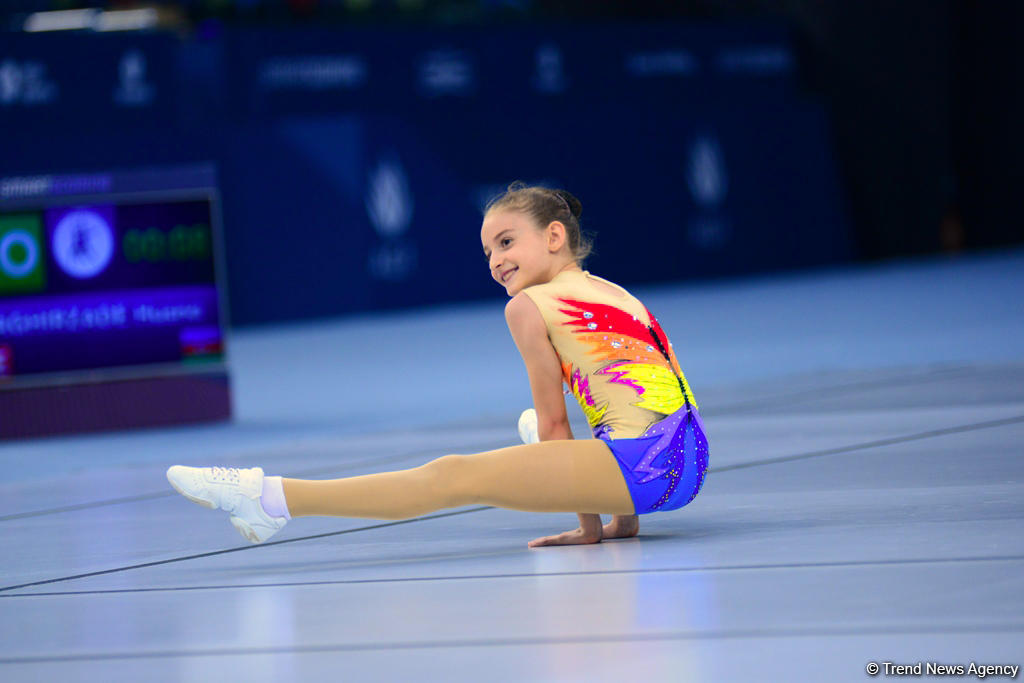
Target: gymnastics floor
[(864, 504)]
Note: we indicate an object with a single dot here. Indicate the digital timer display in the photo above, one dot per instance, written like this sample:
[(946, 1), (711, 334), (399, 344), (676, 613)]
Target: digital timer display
[(180, 243)]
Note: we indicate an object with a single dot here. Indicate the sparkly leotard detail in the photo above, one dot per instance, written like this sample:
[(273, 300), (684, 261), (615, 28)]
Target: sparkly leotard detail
[(618, 363)]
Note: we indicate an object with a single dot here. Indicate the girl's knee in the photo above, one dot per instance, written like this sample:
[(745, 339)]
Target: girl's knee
[(449, 476), (446, 467)]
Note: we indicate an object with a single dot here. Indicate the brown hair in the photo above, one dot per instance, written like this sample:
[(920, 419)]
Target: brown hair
[(545, 205)]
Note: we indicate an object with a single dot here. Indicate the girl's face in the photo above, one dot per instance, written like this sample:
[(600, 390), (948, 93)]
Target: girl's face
[(520, 255)]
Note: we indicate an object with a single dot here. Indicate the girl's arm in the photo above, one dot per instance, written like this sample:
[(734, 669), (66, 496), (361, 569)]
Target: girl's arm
[(542, 367), (545, 372)]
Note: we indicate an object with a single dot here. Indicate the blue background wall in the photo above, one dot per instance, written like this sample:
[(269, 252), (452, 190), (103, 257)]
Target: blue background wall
[(354, 164)]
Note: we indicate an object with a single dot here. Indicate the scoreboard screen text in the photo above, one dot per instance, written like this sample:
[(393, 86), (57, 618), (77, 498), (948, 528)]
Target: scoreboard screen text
[(121, 280)]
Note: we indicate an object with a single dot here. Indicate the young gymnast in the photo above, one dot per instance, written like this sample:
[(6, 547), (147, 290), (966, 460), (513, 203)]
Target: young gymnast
[(650, 453)]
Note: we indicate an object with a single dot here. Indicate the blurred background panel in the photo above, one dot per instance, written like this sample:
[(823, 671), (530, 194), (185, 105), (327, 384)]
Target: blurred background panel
[(357, 142)]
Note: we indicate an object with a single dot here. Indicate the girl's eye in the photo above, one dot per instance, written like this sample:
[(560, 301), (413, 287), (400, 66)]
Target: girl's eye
[(505, 242)]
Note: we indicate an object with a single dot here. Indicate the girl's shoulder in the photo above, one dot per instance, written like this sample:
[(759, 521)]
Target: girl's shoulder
[(582, 286)]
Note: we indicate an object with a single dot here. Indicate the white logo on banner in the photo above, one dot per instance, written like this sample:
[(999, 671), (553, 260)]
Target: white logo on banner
[(705, 173), (25, 83), (388, 200), (708, 182), (132, 89), (83, 243), (549, 76), (29, 254), (10, 82), (389, 204), (445, 72)]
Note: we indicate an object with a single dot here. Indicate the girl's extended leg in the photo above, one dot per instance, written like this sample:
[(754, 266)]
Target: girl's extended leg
[(551, 476)]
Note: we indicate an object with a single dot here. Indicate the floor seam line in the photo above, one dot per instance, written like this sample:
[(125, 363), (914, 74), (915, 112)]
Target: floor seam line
[(478, 577), (241, 548), (536, 641), (960, 429)]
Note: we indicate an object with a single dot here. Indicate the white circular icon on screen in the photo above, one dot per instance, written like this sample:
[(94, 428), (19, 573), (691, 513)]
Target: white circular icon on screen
[(23, 267), (83, 243)]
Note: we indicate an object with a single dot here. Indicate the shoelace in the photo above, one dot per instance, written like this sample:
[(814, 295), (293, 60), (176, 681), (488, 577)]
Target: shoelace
[(226, 475)]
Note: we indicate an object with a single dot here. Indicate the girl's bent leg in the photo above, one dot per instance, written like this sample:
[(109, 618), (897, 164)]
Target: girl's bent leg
[(552, 476)]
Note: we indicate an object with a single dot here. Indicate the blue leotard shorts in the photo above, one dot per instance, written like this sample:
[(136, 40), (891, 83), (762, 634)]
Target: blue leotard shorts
[(664, 467)]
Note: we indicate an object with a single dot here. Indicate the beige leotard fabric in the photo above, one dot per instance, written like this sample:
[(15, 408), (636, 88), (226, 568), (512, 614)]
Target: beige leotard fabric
[(615, 358)]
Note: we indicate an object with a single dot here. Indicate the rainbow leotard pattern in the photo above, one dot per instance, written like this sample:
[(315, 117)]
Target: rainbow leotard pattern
[(618, 363)]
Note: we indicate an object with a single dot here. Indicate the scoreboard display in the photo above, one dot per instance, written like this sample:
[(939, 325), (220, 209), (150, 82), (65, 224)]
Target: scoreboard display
[(109, 277)]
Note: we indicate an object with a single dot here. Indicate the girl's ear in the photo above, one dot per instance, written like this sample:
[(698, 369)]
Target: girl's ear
[(556, 235)]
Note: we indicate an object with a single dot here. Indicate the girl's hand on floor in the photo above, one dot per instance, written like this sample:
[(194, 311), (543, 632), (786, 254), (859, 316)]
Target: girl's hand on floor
[(589, 531), (621, 526), (574, 537)]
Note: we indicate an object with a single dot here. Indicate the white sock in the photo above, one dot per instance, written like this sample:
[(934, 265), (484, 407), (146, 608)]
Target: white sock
[(272, 500)]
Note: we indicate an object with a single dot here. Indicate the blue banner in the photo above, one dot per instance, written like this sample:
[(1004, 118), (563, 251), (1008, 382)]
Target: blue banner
[(355, 163)]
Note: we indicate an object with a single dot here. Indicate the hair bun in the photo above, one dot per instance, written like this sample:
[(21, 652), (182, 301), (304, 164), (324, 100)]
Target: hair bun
[(575, 207)]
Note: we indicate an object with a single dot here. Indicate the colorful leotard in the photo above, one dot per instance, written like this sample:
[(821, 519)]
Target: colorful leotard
[(618, 363)]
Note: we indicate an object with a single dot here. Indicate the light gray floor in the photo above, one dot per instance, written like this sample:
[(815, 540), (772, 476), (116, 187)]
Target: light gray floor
[(865, 503)]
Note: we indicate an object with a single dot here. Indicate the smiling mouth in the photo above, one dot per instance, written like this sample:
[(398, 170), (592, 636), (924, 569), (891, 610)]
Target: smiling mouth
[(507, 275)]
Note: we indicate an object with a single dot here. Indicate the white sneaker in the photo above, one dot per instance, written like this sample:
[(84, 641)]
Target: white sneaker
[(230, 489), (528, 426)]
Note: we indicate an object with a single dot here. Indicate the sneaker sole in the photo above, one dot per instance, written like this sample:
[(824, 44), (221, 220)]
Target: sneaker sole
[(197, 501), (247, 531)]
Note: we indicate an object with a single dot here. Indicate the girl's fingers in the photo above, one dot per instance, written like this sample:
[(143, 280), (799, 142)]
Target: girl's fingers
[(546, 540), (565, 538)]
